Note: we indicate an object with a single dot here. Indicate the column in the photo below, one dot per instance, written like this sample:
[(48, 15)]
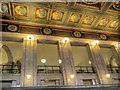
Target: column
[(29, 62), (68, 70), (98, 63), (115, 51)]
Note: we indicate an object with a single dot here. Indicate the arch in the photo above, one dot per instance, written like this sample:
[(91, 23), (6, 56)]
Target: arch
[(8, 52)]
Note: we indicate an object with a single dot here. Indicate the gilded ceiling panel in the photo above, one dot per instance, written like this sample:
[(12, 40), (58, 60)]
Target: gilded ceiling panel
[(5, 9), (20, 10), (41, 13), (90, 5), (91, 15), (114, 8)]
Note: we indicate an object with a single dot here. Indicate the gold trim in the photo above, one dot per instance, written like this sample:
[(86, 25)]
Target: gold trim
[(57, 27)]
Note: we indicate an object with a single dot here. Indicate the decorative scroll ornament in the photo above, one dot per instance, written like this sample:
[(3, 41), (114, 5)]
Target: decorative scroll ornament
[(103, 37), (12, 28), (116, 6), (47, 31), (77, 34)]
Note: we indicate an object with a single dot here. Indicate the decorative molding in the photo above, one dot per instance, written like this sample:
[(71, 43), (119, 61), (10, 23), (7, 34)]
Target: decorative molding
[(103, 37), (12, 28), (77, 34), (47, 31)]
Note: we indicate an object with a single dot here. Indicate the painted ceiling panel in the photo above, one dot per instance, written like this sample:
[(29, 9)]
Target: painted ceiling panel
[(102, 16)]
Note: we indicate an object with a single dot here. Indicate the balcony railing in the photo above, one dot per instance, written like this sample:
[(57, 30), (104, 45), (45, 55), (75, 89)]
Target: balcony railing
[(49, 69), (114, 69), (84, 69), (14, 69)]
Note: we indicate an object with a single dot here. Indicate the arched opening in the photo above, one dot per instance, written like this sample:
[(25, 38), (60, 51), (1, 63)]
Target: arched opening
[(6, 55)]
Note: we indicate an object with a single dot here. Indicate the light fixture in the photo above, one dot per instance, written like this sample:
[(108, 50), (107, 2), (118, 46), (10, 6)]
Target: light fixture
[(28, 76), (43, 60), (95, 42), (89, 62), (117, 45), (65, 40), (108, 75), (30, 37), (72, 76), (60, 61)]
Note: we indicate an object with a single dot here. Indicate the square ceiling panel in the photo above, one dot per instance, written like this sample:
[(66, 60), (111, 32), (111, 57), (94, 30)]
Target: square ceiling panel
[(88, 19), (41, 13), (103, 22), (90, 5), (114, 8), (5, 9), (114, 24), (20, 10), (57, 15), (74, 17)]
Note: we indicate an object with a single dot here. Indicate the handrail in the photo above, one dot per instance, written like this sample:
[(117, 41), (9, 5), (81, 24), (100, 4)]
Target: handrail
[(84, 69), (15, 69), (48, 69)]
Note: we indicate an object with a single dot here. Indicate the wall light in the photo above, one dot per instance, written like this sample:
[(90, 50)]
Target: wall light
[(28, 76), (95, 42), (43, 60), (108, 75), (30, 37), (117, 45), (72, 76), (60, 61), (89, 62), (65, 40)]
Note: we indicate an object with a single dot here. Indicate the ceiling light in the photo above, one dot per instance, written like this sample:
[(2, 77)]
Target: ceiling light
[(65, 40), (30, 37), (108, 75), (72, 76), (28, 76), (43, 60)]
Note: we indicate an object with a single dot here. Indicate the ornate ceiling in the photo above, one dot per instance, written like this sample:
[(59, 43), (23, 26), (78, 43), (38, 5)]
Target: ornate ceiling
[(87, 16)]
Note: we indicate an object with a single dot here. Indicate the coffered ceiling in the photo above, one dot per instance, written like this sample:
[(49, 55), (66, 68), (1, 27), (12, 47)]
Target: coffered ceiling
[(87, 16)]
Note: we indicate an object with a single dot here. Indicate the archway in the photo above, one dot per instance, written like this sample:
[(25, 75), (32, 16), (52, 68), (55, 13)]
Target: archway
[(8, 54)]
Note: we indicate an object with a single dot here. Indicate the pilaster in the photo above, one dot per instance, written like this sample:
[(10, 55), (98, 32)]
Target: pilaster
[(29, 63), (98, 63), (67, 64)]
